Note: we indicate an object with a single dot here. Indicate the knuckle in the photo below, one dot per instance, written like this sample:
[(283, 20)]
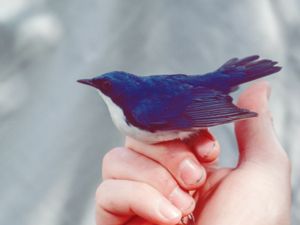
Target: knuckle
[(103, 194), (110, 156), (171, 148), (143, 189), (164, 181), (100, 192), (108, 159), (175, 156), (175, 146)]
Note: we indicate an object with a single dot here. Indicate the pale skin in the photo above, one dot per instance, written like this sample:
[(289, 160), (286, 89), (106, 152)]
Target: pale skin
[(149, 184)]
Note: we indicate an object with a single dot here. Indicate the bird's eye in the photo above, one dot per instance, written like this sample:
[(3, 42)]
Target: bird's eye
[(106, 85)]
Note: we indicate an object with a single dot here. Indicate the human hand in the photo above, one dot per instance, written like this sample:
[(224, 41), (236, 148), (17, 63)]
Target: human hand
[(148, 184), (145, 177), (257, 191)]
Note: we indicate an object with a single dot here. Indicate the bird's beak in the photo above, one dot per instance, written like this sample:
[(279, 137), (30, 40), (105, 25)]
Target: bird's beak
[(86, 81)]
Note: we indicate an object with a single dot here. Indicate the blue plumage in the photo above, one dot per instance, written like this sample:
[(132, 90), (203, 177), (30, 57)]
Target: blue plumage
[(162, 103)]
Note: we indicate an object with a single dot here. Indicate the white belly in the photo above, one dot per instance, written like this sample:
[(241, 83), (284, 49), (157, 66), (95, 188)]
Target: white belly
[(119, 120)]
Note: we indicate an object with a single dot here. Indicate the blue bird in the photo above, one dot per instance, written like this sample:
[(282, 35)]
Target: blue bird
[(158, 108)]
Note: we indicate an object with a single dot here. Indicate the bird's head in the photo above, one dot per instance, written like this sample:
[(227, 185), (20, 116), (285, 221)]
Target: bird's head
[(116, 85)]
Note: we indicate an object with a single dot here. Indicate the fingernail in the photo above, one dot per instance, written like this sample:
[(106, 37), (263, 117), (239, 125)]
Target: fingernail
[(190, 172), (182, 200), (205, 150), (168, 211)]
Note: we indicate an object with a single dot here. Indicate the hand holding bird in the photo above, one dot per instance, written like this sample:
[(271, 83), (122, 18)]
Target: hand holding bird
[(142, 183), (167, 116)]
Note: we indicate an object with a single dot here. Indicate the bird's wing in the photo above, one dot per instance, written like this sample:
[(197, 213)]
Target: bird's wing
[(210, 107), (198, 107)]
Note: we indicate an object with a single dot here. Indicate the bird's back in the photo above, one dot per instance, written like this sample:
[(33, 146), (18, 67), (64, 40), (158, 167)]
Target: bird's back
[(225, 79)]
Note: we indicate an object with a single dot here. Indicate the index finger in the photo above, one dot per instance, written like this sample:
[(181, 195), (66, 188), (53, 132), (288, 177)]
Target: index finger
[(176, 157)]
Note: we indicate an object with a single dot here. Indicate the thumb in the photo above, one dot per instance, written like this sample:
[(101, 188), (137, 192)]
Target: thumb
[(256, 138)]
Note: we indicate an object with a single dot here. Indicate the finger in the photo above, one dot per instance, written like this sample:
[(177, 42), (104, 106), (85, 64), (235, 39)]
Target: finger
[(205, 146), (176, 157), (118, 200), (138, 221), (125, 164), (211, 165), (256, 137)]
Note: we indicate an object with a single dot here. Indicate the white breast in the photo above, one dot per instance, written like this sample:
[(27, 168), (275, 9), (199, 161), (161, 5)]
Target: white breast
[(119, 120)]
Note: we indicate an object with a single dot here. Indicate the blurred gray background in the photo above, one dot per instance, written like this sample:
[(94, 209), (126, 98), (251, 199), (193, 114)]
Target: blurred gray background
[(54, 131)]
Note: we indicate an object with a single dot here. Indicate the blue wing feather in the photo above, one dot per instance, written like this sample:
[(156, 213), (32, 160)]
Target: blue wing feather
[(198, 107)]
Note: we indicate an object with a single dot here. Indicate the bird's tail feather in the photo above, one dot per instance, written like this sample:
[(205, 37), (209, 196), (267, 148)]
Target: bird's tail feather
[(237, 71)]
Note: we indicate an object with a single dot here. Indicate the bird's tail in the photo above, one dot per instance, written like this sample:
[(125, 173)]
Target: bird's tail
[(237, 71)]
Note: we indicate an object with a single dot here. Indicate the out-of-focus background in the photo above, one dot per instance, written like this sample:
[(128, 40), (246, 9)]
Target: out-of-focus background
[(54, 131)]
